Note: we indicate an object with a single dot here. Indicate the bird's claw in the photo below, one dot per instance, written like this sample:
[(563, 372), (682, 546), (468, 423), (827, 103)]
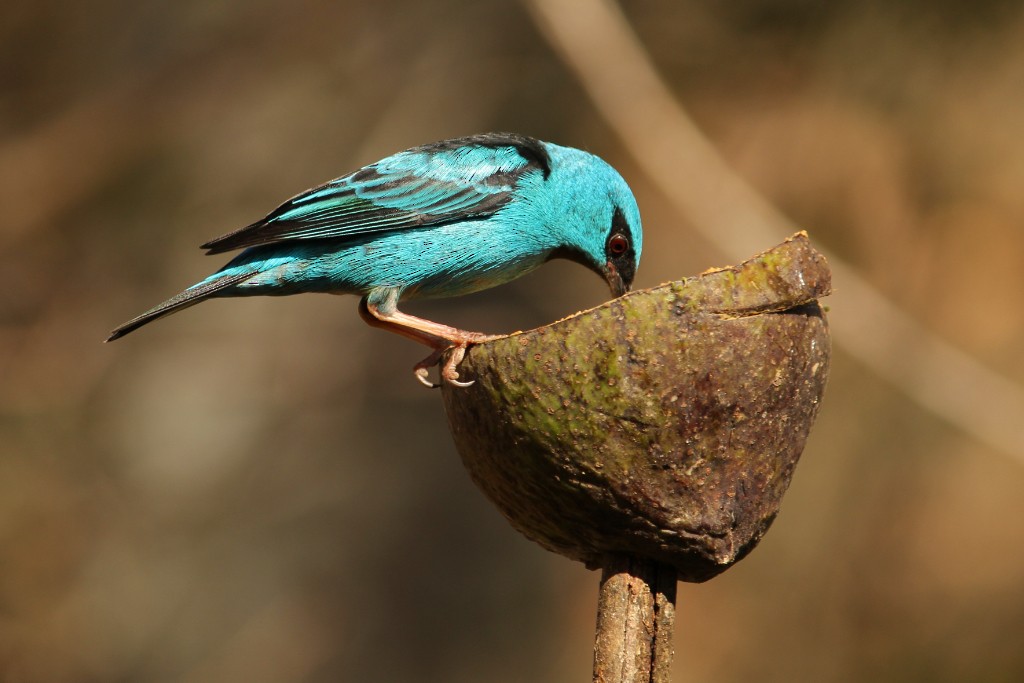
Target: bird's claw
[(449, 373), (421, 369), (423, 378)]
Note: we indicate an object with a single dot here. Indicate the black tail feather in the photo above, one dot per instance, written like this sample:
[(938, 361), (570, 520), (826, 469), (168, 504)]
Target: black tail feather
[(190, 297)]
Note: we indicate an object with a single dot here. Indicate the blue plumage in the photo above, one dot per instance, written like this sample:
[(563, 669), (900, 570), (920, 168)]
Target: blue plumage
[(439, 220)]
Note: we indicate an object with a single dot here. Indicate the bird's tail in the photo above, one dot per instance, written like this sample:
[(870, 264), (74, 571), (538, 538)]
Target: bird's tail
[(190, 297)]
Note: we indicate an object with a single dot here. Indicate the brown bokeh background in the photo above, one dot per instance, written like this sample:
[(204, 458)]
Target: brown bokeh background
[(256, 490)]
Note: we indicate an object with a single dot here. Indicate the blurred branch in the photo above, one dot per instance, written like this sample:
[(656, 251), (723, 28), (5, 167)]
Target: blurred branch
[(596, 41)]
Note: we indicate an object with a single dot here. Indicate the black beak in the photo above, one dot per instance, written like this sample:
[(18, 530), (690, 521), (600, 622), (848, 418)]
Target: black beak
[(615, 281)]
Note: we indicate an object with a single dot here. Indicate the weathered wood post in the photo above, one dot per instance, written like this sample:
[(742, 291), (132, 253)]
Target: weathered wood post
[(653, 436)]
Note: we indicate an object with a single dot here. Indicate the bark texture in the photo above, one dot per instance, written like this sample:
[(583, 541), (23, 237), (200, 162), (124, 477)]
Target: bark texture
[(635, 615)]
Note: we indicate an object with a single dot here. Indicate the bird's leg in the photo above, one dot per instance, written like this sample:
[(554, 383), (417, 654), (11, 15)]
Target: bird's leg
[(383, 312)]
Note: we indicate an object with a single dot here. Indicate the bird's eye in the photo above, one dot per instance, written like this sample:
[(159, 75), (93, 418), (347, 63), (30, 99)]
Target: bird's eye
[(618, 245)]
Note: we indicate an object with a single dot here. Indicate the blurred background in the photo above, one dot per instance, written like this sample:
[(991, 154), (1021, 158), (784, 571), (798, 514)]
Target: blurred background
[(257, 490)]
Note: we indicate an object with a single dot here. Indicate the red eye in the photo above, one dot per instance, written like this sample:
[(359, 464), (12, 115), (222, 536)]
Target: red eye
[(618, 245)]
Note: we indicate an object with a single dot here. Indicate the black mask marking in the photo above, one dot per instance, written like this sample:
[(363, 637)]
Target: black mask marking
[(624, 261)]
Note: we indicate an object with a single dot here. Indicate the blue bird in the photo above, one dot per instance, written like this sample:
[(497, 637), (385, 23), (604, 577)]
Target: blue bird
[(439, 220)]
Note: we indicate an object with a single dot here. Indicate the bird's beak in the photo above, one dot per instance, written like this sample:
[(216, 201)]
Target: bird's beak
[(615, 281)]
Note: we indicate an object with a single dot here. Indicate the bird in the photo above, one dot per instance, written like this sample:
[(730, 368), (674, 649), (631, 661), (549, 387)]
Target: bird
[(439, 220)]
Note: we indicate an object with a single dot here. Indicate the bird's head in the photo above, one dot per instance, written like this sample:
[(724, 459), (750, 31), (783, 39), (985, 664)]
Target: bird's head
[(594, 215)]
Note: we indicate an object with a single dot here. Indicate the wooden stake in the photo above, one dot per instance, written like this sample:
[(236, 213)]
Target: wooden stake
[(635, 615)]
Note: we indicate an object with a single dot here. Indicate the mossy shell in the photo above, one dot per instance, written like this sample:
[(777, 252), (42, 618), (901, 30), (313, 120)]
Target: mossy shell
[(665, 424)]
